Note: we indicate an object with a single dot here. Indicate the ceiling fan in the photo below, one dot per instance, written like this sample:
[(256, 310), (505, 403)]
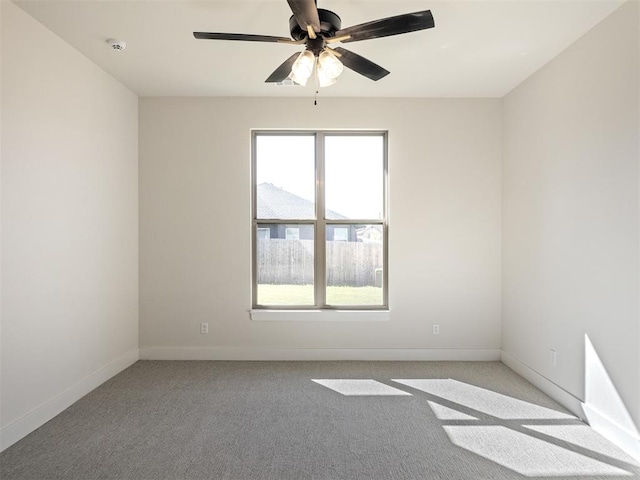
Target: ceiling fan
[(317, 28)]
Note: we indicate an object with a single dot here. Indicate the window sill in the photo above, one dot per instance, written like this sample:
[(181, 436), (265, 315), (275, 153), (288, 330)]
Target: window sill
[(319, 315)]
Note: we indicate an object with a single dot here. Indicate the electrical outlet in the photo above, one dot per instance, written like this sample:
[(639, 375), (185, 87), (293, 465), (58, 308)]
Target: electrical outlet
[(436, 329), (554, 357), (204, 328)]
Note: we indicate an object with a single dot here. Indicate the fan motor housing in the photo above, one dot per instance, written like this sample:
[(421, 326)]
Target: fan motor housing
[(330, 23)]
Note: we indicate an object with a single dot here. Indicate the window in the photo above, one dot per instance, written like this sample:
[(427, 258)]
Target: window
[(264, 233), (340, 234), (319, 220), (292, 233)]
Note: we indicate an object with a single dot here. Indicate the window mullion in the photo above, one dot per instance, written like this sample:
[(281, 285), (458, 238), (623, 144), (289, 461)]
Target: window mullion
[(320, 254), (254, 221)]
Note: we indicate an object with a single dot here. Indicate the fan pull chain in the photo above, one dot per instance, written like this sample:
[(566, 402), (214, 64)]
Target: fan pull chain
[(315, 72)]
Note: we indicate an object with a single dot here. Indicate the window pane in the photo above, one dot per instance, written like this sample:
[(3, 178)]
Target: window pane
[(292, 233), (354, 177), (354, 267), (340, 234), (285, 177), (285, 265)]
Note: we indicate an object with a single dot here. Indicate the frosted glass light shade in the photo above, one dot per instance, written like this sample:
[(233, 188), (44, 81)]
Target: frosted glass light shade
[(331, 66), (303, 67), (323, 79)]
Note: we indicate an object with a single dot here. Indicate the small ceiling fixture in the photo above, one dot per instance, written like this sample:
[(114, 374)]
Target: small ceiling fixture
[(117, 45), (317, 28)]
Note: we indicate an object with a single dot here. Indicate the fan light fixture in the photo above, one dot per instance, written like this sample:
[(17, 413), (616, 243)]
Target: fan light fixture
[(317, 29), (327, 68)]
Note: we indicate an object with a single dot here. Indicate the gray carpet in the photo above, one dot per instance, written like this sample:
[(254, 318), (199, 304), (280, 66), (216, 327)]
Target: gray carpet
[(315, 420)]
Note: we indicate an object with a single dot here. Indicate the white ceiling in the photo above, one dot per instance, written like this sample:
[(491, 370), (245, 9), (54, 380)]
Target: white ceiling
[(478, 48)]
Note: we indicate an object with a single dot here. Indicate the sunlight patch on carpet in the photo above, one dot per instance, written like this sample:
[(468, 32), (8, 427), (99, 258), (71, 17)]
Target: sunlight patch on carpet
[(583, 436), (527, 455), (482, 400)]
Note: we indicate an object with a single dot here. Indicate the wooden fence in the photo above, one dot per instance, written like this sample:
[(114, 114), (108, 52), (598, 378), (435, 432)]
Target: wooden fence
[(290, 262)]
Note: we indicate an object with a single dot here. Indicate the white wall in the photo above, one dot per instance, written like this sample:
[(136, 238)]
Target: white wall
[(445, 227), (69, 224), (571, 219)]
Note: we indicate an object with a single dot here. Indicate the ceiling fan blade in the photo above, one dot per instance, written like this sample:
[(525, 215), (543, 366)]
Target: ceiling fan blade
[(306, 14), (244, 37), (282, 72), (360, 64), (386, 27)]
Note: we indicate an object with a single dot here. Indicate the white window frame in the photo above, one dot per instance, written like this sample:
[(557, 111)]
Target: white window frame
[(320, 223)]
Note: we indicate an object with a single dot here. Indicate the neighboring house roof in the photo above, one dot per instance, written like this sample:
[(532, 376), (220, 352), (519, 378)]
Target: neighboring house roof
[(274, 202), (369, 233)]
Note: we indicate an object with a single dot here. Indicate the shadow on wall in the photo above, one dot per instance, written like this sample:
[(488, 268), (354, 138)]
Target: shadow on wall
[(603, 407)]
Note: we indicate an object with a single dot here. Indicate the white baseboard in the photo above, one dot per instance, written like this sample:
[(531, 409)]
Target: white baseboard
[(615, 433), (560, 395), (366, 354), (52, 407)]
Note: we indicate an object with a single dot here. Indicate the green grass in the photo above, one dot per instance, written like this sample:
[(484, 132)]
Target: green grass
[(303, 295)]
